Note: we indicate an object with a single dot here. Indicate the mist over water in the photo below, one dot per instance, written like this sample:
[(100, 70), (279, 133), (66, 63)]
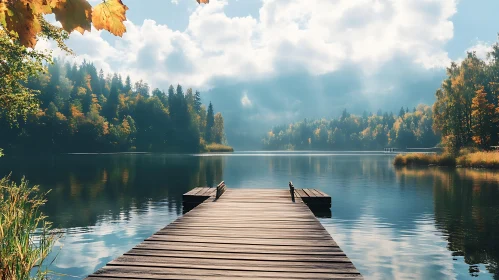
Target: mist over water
[(426, 223)]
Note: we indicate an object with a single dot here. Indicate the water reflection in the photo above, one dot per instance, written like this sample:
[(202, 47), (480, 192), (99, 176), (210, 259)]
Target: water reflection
[(466, 209), (429, 223)]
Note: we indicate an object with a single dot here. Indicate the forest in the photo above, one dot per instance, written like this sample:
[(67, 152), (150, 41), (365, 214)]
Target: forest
[(84, 110), (353, 132)]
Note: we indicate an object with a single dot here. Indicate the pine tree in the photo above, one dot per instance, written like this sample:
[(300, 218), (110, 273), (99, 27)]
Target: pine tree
[(197, 102), (210, 121), (128, 84), (401, 112)]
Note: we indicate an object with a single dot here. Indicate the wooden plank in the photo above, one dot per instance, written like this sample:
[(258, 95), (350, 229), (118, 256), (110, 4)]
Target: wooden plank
[(316, 193), (343, 266), (244, 234), (192, 192), (137, 272), (241, 248), (224, 240), (301, 193), (331, 257), (322, 193), (140, 272), (309, 193)]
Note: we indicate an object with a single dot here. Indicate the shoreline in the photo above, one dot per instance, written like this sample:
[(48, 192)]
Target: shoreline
[(476, 160)]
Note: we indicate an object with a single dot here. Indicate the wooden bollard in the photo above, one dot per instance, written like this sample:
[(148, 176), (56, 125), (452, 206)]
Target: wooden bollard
[(292, 191)]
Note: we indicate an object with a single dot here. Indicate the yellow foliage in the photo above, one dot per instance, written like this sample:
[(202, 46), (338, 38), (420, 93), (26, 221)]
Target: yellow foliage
[(317, 132), (75, 112), (105, 128), (60, 116), (22, 17), (19, 18), (110, 15), (125, 127), (73, 14)]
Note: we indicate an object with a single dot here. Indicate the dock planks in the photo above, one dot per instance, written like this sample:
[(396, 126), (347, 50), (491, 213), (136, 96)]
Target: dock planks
[(245, 234)]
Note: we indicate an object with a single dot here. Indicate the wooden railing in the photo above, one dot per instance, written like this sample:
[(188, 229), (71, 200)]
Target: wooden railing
[(220, 190)]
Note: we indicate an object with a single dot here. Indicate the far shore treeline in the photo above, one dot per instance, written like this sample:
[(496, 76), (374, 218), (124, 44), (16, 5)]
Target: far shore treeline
[(82, 110), (464, 117), (410, 128)]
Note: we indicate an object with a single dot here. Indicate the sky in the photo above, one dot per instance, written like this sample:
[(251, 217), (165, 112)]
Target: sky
[(269, 62)]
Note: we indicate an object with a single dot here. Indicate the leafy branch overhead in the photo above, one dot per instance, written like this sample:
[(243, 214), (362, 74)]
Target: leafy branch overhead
[(23, 18)]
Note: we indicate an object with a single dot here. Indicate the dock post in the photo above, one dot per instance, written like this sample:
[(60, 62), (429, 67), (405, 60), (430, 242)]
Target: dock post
[(220, 190), (292, 191)]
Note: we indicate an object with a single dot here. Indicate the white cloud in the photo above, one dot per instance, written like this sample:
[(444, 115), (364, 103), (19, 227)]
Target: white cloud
[(245, 101), (318, 36), (481, 49)]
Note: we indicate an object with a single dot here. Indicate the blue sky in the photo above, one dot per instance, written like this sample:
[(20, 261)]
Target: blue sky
[(266, 62)]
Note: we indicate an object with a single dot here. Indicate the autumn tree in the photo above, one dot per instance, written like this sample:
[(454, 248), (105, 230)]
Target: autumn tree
[(217, 130), (483, 114)]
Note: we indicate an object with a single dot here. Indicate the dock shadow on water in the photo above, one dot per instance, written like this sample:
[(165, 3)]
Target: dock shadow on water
[(416, 223)]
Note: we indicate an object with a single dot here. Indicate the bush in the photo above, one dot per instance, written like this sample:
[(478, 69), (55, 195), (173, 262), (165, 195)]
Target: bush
[(25, 235)]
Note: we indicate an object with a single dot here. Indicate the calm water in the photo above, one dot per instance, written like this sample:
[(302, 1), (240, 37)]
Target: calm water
[(429, 223)]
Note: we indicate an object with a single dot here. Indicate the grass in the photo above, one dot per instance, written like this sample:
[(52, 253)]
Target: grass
[(214, 147), (466, 158), (424, 159), (480, 160), (26, 238)]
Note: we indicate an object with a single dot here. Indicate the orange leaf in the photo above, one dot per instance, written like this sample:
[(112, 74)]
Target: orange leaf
[(38, 6), (110, 15), (19, 19), (203, 1), (73, 14)]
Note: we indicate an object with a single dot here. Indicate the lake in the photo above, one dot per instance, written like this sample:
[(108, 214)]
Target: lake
[(409, 223)]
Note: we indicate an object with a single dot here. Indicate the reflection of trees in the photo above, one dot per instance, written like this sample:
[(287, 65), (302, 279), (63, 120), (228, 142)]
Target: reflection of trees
[(342, 167), (84, 188), (467, 211)]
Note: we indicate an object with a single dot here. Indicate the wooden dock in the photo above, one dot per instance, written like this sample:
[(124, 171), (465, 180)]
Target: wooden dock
[(237, 234)]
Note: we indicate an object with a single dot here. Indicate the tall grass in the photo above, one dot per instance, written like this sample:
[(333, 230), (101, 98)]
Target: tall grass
[(480, 160), (214, 147), (26, 238), (466, 158), (424, 159)]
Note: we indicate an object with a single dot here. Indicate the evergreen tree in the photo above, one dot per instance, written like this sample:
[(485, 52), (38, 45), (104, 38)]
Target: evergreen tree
[(402, 112), (210, 121), (128, 84), (197, 102)]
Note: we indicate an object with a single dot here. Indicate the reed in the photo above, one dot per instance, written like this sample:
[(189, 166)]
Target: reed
[(480, 160), (214, 147), (424, 159), (26, 238)]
